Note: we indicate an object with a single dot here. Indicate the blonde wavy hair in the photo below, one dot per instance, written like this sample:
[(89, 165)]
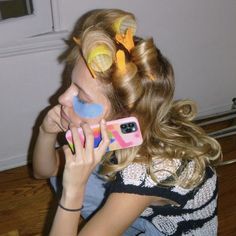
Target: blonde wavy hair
[(146, 91)]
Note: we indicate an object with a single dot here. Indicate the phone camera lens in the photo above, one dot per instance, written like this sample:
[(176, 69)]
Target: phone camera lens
[(128, 130), (123, 126), (128, 127)]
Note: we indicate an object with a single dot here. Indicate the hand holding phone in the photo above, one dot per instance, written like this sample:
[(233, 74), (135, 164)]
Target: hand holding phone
[(123, 133)]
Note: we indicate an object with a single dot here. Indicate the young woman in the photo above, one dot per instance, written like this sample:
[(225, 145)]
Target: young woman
[(167, 185)]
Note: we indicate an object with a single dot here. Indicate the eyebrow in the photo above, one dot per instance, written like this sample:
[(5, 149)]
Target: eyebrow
[(81, 89)]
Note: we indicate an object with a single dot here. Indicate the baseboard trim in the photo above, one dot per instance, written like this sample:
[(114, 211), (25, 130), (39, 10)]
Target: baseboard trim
[(13, 162)]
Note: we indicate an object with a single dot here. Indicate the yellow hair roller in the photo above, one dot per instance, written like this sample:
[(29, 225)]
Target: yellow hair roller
[(123, 23), (100, 58)]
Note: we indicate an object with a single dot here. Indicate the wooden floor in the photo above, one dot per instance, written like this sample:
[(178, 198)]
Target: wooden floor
[(227, 200), (27, 205)]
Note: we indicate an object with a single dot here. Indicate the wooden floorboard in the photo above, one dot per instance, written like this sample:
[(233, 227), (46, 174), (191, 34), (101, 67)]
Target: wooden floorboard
[(28, 205), (227, 200)]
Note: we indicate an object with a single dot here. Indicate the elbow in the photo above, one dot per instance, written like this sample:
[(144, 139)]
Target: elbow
[(38, 175), (42, 173)]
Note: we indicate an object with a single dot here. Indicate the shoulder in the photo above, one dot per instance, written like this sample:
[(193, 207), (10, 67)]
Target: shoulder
[(138, 174), (136, 178)]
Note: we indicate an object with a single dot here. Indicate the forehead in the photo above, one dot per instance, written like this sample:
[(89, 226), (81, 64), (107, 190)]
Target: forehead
[(82, 77), (80, 71)]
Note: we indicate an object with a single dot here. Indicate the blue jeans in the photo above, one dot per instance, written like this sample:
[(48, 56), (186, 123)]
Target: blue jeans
[(95, 195)]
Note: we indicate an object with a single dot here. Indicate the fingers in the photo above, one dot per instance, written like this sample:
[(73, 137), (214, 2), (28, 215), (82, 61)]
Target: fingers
[(52, 121), (80, 165), (88, 153), (105, 138), (68, 153), (77, 142), (89, 140), (58, 119)]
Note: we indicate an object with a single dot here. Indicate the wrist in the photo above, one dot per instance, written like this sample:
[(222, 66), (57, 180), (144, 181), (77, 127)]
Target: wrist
[(70, 209), (72, 201)]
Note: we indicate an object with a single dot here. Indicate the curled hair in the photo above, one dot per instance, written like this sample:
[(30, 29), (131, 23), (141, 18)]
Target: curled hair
[(146, 90)]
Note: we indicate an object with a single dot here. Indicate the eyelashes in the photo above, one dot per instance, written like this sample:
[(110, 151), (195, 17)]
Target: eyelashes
[(82, 101)]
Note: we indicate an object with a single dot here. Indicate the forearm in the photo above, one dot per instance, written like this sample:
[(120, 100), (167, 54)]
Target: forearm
[(67, 222), (45, 161)]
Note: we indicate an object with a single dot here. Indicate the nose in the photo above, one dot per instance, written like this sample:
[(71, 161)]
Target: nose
[(66, 99)]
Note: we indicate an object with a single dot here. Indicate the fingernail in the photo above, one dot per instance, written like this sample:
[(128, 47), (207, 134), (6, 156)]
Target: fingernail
[(103, 122)]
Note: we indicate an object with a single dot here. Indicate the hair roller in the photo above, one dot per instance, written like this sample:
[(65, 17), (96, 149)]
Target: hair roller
[(100, 58), (123, 23), (100, 53)]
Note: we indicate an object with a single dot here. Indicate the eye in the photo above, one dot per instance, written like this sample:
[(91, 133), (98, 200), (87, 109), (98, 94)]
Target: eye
[(81, 100)]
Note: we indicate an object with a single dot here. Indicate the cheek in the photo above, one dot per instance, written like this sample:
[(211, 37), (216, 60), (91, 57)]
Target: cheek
[(77, 120), (87, 110)]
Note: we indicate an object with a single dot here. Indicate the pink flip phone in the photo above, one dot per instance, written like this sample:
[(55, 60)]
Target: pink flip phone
[(123, 133)]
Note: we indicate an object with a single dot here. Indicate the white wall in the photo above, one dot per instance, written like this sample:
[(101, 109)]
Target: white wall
[(27, 82), (198, 37)]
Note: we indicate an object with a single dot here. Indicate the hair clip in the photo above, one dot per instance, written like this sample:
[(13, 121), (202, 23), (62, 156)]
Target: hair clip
[(126, 39), (77, 41), (120, 61), (151, 77)]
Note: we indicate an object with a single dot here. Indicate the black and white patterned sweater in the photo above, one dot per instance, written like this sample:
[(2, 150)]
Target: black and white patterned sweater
[(196, 212)]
